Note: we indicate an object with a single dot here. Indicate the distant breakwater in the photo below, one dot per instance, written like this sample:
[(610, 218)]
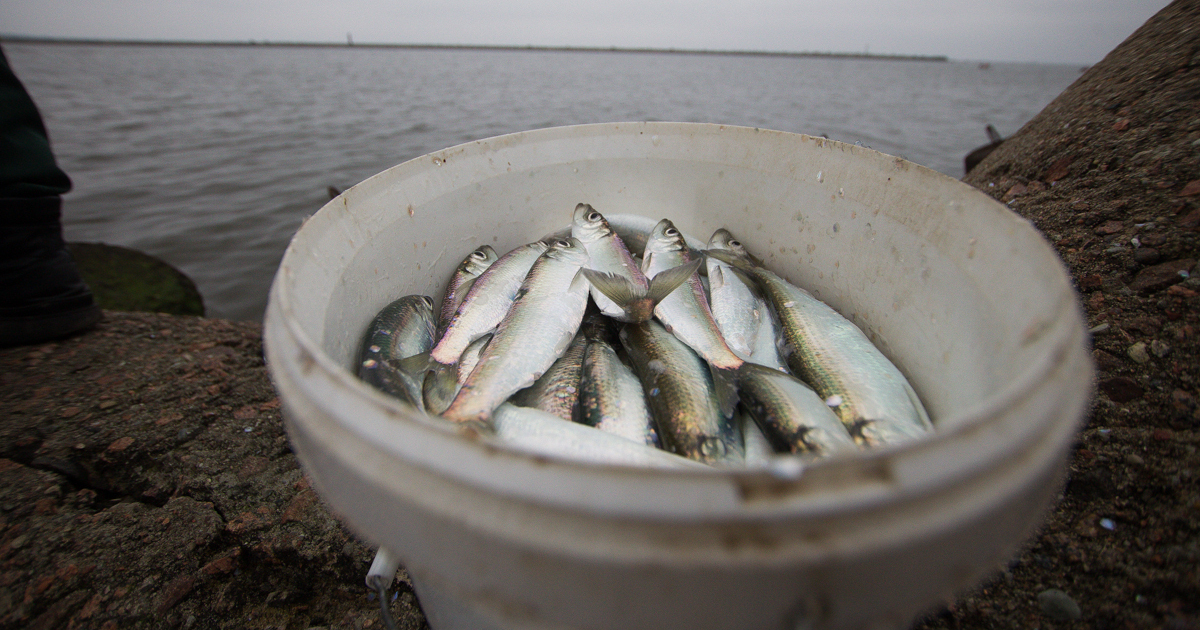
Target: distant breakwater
[(488, 47)]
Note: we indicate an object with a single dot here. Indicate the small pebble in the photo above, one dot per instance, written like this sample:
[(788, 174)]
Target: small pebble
[(1056, 604), (1146, 256), (1102, 328), (1138, 352), (1134, 459), (1107, 523), (1160, 348)]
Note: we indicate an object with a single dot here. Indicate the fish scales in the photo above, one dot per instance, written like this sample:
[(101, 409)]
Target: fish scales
[(792, 416), (866, 390), (611, 396), (685, 311), (679, 391), (735, 307), (557, 390), (608, 254), (543, 319), (460, 283), (486, 303), (403, 328)]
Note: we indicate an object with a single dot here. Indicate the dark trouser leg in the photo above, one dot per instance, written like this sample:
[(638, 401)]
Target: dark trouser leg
[(42, 296)]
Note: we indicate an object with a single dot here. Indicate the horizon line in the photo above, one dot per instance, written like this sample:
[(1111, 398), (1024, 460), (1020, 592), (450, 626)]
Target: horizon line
[(33, 39)]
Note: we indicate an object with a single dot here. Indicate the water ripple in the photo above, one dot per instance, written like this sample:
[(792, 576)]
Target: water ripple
[(210, 157)]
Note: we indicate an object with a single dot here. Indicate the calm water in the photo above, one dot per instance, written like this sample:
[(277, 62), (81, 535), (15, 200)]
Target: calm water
[(210, 157)]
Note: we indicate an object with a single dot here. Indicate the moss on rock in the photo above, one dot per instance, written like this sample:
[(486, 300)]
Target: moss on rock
[(124, 279)]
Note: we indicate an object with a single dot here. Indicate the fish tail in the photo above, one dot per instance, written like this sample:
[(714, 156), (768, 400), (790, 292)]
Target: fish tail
[(638, 302)]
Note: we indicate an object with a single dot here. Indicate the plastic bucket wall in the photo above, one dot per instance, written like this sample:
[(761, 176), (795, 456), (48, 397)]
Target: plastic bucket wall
[(963, 295)]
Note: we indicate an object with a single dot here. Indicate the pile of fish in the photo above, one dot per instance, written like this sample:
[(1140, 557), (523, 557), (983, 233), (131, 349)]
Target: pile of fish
[(616, 343)]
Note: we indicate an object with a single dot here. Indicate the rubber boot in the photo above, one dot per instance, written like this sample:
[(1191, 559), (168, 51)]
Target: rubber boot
[(42, 295)]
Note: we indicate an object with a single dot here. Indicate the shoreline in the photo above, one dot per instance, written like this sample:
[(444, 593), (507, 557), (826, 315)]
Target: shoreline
[(21, 39)]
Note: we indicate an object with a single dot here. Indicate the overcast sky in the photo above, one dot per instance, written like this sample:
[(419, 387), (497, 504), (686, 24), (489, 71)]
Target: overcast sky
[(1066, 31)]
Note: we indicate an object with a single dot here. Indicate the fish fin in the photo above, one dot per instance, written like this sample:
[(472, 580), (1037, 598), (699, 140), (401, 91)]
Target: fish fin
[(647, 260), (463, 290), (412, 388), (579, 277), (725, 389), (748, 280), (415, 365), (666, 281), (387, 378), (716, 278), (614, 287), (440, 386), (729, 258)]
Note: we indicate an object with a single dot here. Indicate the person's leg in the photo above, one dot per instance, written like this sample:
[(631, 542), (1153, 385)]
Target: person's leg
[(42, 295)]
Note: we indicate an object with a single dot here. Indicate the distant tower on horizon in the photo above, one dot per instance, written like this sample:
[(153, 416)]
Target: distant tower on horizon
[(349, 39)]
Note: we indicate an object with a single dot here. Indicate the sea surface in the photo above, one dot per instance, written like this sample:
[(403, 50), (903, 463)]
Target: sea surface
[(210, 157)]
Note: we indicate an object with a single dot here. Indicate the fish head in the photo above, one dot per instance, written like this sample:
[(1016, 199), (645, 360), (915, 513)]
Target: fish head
[(665, 237), (541, 246), (588, 225), (479, 260), (727, 249), (723, 240), (569, 250)]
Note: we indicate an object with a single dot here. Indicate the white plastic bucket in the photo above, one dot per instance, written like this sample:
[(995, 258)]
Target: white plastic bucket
[(966, 297)]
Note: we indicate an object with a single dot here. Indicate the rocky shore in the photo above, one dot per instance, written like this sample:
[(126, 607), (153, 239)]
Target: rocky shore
[(146, 480)]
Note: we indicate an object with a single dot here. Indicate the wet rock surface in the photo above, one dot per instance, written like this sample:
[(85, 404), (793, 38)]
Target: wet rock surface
[(1108, 170), (146, 482)]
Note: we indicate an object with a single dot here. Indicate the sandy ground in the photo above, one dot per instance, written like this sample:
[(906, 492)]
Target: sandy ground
[(146, 480)]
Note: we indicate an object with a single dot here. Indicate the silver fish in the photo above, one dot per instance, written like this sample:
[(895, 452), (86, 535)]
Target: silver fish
[(758, 448), (611, 397), (679, 391), (541, 433), (482, 309), (557, 391), (634, 230), (746, 321), (401, 329), (768, 343), (637, 230), (866, 390), (735, 307), (487, 302), (607, 254), (536, 330), (464, 276), (685, 312), (469, 359), (790, 414), (441, 382)]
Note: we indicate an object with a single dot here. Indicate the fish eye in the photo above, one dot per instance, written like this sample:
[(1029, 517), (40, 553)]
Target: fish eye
[(734, 243), (671, 232), (594, 216), (479, 254), (562, 243), (427, 300)]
